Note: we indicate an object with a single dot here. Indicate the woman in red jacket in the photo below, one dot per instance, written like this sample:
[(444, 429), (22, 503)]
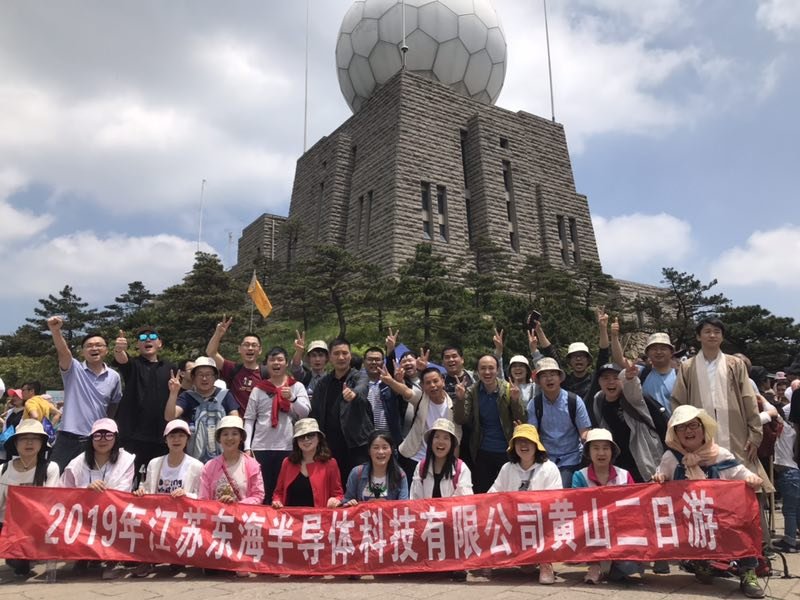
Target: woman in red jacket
[(309, 476)]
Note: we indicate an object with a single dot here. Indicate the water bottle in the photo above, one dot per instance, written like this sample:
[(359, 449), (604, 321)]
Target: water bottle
[(51, 571)]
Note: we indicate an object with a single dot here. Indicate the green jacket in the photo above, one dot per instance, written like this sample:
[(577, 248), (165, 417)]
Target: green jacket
[(467, 412)]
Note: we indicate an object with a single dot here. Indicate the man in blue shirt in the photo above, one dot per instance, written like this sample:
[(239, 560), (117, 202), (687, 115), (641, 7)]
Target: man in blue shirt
[(90, 388), (562, 438)]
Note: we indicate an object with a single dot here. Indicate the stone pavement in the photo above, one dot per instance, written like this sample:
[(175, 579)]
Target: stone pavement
[(508, 584)]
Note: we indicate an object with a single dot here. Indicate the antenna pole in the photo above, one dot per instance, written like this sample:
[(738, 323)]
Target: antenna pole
[(305, 109), (200, 224), (549, 67), (404, 46)]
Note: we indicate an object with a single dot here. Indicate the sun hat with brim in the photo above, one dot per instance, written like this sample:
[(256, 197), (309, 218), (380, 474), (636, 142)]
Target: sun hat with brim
[(306, 426), (177, 425), (442, 425), (684, 414), (230, 422), (204, 361), (317, 345), (659, 338), (26, 427), (519, 360), (105, 424), (600, 435), (525, 432), (576, 347), (548, 364), (780, 376), (609, 367)]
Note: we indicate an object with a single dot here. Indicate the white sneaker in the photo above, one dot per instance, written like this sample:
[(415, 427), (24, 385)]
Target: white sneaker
[(546, 575), (593, 574)]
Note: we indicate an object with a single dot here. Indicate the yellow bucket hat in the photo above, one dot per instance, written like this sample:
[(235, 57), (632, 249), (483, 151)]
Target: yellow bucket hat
[(526, 432)]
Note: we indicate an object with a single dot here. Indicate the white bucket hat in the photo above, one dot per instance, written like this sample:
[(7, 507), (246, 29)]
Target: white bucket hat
[(576, 347), (548, 364), (600, 435), (228, 422), (443, 425), (659, 338)]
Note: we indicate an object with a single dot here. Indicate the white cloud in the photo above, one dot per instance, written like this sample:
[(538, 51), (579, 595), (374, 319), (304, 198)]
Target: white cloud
[(630, 243), (781, 17), (18, 226), (765, 259), (98, 268), (611, 72)]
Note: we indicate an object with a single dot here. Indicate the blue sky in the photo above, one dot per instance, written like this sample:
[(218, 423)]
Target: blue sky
[(680, 116)]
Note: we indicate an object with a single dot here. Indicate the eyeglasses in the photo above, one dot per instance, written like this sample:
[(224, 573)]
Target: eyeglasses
[(307, 436), (690, 426), (103, 435), (93, 346), (143, 337)]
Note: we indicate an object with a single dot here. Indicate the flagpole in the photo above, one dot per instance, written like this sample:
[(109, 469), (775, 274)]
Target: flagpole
[(252, 308), (549, 67)]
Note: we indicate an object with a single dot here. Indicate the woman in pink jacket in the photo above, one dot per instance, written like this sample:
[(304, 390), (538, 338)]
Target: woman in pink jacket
[(232, 476)]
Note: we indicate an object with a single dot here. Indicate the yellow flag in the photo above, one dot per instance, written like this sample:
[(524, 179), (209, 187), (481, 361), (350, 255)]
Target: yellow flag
[(259, 297)]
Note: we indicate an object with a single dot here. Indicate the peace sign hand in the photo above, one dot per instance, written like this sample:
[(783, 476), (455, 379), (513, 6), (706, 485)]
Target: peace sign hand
[(498, 341), (300, 341), (224, 325), (174, 383)]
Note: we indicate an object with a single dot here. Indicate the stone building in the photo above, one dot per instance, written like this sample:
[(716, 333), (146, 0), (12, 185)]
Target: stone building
[(420, 162), (259, 240)]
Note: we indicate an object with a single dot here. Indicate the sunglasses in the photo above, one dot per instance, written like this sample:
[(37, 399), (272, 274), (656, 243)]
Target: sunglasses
[(307, 436), (143, 337), (103, 435)]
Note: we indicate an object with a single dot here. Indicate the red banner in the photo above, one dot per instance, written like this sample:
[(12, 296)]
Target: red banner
[(678, 520)]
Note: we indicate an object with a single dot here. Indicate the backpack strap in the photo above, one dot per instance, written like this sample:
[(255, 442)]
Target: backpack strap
[(572, 408)]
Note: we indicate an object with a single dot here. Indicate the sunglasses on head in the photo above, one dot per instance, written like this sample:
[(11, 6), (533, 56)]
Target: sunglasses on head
[(143, 337)]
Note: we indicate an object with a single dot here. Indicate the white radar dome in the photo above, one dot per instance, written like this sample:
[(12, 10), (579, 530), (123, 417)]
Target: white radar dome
[(457, 42)]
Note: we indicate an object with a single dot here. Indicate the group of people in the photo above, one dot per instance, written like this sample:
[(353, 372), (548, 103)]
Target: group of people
[(323, 428)]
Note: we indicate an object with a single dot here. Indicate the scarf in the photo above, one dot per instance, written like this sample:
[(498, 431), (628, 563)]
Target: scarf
[(279, 403), (707, 454)]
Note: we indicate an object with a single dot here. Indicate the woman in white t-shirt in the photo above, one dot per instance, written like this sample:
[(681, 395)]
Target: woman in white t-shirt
[(175, 473), (29, 467), (528, 469)]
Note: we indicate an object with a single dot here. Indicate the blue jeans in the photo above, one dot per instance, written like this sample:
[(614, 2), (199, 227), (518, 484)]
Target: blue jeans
[(787, 480), (566, 474)]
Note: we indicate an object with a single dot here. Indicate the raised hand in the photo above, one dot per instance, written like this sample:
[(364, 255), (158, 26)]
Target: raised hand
[(121, 343), (533, 342), (461, 390), (224, 325), (286, 393), (300, 341), (399, 372), (602, 317), (515, 392), (498, 341), (385, 376), (174, 383), (422, 359), (391, 340), (55, 324), (615, 327), (348, 394), (631, 370)]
